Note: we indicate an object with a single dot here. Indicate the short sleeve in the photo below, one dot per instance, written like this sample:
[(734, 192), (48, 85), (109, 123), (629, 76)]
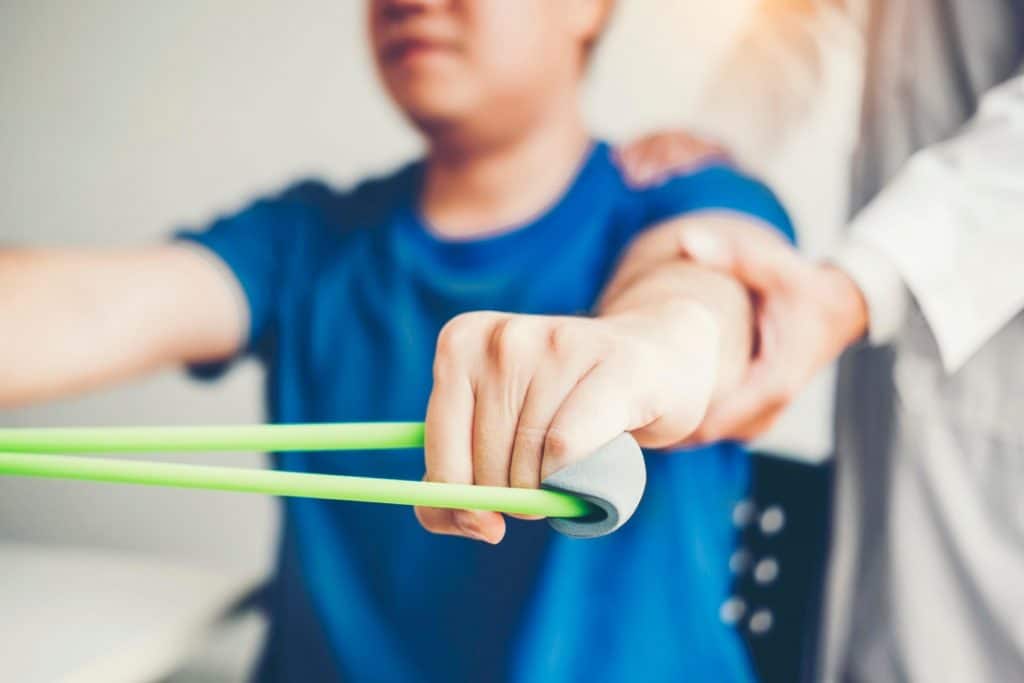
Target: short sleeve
[(248, 244), (263, 248), (718, 187)]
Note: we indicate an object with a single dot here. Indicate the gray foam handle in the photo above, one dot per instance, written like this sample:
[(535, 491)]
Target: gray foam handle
[(612, 478)]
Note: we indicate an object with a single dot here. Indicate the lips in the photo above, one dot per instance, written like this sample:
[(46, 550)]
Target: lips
[(404, 49)]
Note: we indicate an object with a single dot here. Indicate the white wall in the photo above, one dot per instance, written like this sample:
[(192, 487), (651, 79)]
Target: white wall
[(122, 120)]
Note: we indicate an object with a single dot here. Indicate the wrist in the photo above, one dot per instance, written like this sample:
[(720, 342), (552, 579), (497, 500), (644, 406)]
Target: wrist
[(684, 338), (673, 321), (880, 284)]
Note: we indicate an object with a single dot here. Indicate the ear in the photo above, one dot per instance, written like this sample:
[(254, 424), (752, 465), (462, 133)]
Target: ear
[(587, 18)]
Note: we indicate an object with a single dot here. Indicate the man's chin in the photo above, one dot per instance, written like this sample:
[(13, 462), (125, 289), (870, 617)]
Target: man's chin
[(434, 118)]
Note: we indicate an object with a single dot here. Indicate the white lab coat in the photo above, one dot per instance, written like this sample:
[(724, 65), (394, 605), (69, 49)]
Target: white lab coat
[(928, 559)]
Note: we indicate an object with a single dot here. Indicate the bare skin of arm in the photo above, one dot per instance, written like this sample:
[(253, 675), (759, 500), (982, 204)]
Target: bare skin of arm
[(652, 262), (517, 397), (79, 319)]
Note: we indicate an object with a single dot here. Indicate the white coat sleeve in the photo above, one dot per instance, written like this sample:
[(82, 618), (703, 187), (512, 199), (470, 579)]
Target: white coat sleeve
[(950, 229)]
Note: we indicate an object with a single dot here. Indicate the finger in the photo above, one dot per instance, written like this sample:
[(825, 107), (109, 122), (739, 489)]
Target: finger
[(664, 154), (757, 428), (448, 433), (512, 353), (642, 161), (639, 149), (754, 255), (762, 395), (753, 406), (694, 152), (682, 407), (448, 448), (627, 156), (674, 154), (596, 411), (632, 165), (726, 421), (569, 359), (735, 431)]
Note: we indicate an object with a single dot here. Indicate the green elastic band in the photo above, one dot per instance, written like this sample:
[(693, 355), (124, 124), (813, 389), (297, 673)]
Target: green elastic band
[(28, 455), (325, 486), (348, 436)]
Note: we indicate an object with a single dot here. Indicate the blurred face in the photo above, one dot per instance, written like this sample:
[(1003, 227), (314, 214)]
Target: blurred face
[(481, 68)]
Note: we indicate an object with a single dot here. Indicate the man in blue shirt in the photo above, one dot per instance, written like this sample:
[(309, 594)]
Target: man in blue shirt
[(458, 287)]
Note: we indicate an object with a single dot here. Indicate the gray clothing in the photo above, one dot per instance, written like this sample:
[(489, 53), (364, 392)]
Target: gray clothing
[(928, 570)]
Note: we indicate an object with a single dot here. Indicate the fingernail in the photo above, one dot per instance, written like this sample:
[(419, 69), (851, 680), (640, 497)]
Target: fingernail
[(468, 524), (700, 245)]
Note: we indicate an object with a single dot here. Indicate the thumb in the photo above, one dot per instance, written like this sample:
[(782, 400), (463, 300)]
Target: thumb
[(750, 253)]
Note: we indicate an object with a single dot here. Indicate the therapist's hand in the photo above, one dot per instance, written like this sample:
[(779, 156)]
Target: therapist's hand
[(655, 156), (517, 397), (806, 314)]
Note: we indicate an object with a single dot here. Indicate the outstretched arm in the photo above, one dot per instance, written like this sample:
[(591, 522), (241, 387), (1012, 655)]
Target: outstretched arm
[(76, 319), (518, 397)]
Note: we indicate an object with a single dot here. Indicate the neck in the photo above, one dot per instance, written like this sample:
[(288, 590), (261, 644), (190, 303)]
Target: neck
[(470, 192)]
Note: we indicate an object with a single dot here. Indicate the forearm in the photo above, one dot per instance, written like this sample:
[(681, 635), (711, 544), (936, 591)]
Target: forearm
[(678, 294), (77, 319)]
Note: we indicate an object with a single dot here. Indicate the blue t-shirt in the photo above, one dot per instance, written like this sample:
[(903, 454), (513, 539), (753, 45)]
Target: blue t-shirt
[(347, 292)]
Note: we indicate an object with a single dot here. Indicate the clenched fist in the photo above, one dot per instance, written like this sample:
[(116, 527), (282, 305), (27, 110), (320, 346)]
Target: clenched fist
[(517, 397)]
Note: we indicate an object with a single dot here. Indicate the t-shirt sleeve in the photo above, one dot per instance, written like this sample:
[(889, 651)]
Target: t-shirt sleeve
[(718, 187), (261, 248)]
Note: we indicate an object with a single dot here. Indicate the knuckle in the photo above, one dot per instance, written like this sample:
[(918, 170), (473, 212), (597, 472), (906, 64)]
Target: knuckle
[(447, 367), (563, 339), (573, 338), (453, 335), (508, 340), (785, 392), (458, 336), (557, 445), (461, 330), (606, 347)]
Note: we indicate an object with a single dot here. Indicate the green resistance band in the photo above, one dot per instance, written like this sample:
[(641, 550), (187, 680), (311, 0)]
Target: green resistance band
[(347, 436), (30, 453)]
